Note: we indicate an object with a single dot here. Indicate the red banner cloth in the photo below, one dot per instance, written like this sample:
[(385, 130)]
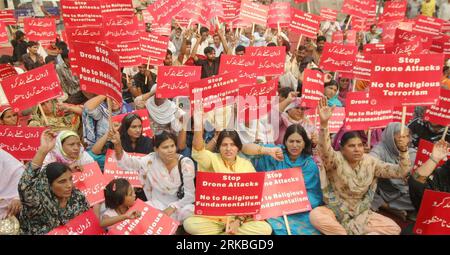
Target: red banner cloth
[(174, 81), (306, 24), (340, 58), (112, 170), (91, 182), (434, 214), (21, 142), (86, 223)]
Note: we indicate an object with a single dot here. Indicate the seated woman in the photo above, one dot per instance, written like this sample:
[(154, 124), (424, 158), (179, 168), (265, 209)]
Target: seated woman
[(8, 117), (226, 161), (295, 151), (48, 195), (331, 92), (68, 150), (168, 176), (348, 181), (375, 138), (393, 194), (54, 119), (11, 171)]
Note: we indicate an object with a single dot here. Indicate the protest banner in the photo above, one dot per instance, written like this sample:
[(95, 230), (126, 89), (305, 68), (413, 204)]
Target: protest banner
[(143, 113), (154, 48), (358, 24), (31, 88), (251, 12), (7, 70), (428, 26), (86, 223), (98, 69), (221, 194), (358, 8), (413, 47), (374, 48), (89, 34), (305, 24), (195, 11), (271, 61), (91, 183), (163, 11), (279, 14), (338, 37), (174, 81), (151, 222), (334, 123), (112, 170), (363, 111), (362, 68), (129, 53), (423, 154), (230, 10), (340, 58), (119, 30), (284, 193), (406, 80), (350, 37), (389, 29), (249, 65), (398, 111), (434, 214), (393, 11), (402, 36), (255, 101), (313, 88), (214, 7), (81, 13), (3, 33), (441, 44), (40, 29), (21, 142), (117, 8), (7, 17), (440, 113), (219, 90), (160, 30), (328, 14), (445, 27)]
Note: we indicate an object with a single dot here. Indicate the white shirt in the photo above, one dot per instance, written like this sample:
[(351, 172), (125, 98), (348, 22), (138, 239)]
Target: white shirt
[(37, 8), (218, 50), (202, 46), (260, 41), (444, 11)]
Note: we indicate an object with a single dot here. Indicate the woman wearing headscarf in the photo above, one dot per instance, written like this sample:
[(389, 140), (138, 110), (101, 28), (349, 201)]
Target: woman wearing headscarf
[(7, 116), (54, 119), (344, 88), (331, 90), (375, 138), (48, 195), (68, 150), (392, 193), (10, 173)]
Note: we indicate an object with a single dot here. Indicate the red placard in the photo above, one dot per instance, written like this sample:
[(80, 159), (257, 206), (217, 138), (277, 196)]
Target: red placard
[(98, 68), (219, 194), (7, 70), (446, 26), (305, 23), (414, 47), (375, 48), (363, 67), (7, 17), (40, 29), (81, 13), (219, 90), (389, 29), (143, 113), (230, 9), (440, 113), (158, 29), (423, 154), (328, 14), (252, 12), (151, 222), (441, 44), (358, 24), (398, 111), (31, 88), (119, 30), (428, 26), (334, 123), (393, 11), (338, 58), (406, 80), (350, 36), (117, 8), (358, 8), (86, 223), (256, 100), (3, 34), (214, 7), (129, 53), (112, 170), (195, 11), (365, 112), (85, 34), (272, 61), (174, 81), (21, 142), (402, 36), (245, 63), (279, 13), (154, 47), (313, 88), (91, 183), (338, 37), (284, 193), (163, 11), (434, 214)]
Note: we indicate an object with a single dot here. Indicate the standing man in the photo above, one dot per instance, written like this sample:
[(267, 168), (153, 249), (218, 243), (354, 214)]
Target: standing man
[(39, 9)]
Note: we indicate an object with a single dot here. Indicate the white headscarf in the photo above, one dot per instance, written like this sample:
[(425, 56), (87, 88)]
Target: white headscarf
[(11, 171)]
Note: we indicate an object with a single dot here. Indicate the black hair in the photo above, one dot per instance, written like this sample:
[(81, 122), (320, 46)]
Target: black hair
[(49, 59), (271, 44), (61, 45), (168, 52), (164, 136), (232, 134), (297, 128), (321, 38), (5, 59), (301, 47), (32, 43), (444, 70), (373, 25), (331, 83), (203, 30), (126, 123), (54, 170), (287, 45), (347, 136), (115, 192), (284, 92), (240, 48), (19, 35), (208, 50)]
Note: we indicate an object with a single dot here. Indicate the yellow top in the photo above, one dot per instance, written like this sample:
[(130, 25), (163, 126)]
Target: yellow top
[(428, 8), (212, 162)]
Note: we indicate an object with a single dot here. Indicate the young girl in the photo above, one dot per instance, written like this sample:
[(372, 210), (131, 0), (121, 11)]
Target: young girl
[(119, 197)]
